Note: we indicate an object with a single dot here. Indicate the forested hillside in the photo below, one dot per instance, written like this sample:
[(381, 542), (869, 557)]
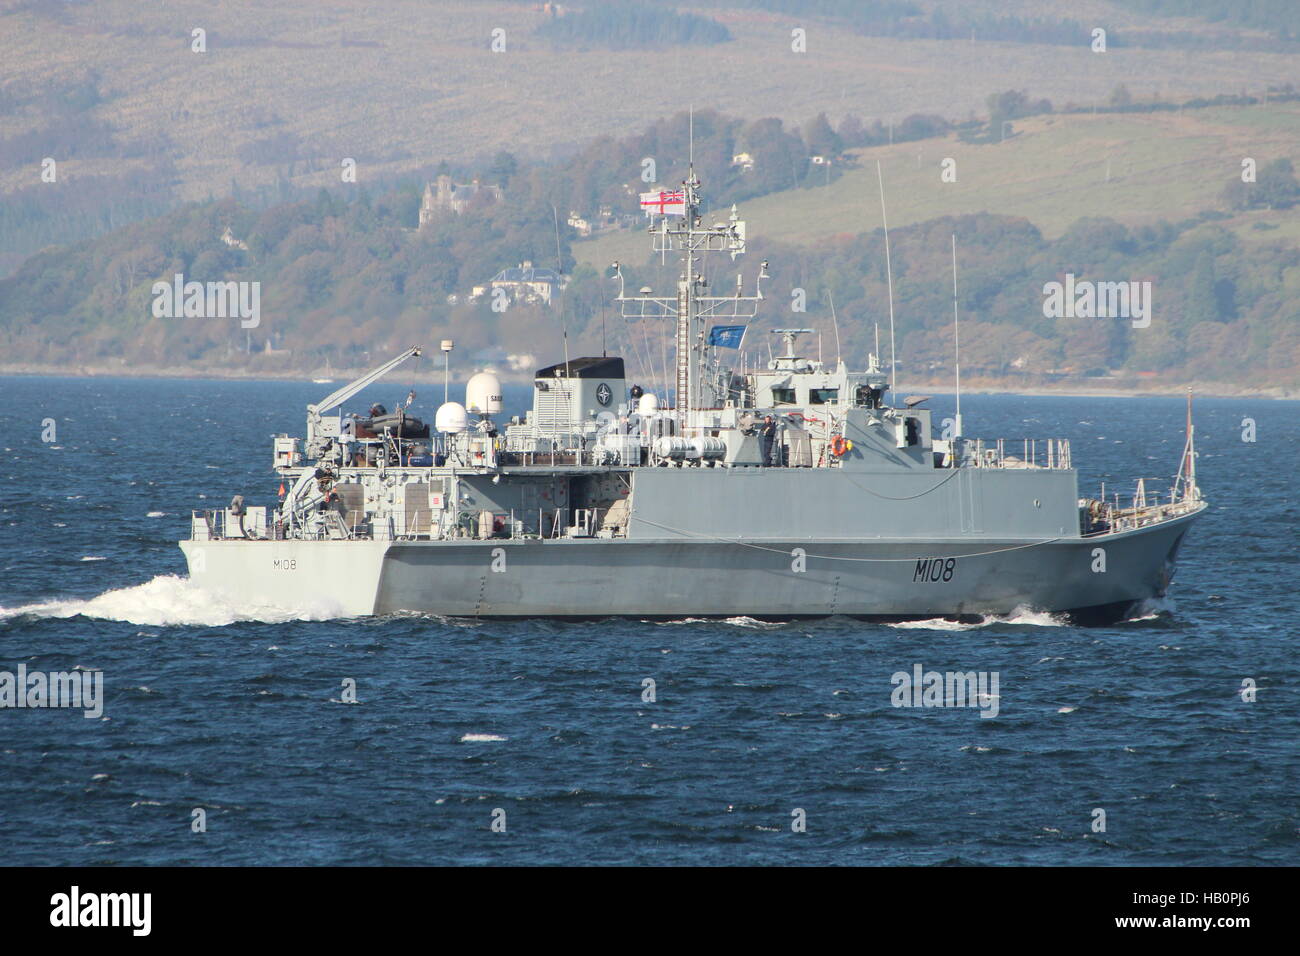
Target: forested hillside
[(343, 280), (1220, 310), (354, 272)]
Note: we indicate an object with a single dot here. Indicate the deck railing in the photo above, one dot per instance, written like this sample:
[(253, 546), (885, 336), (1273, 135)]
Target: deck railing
[(313, 525), (1051, 453), (1115, 512)]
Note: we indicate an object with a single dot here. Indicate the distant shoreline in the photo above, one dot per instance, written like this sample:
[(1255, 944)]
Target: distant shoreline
[(1070, 389)]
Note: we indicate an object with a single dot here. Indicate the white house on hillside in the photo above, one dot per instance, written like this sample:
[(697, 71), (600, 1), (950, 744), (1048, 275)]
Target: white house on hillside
[(524, 283)]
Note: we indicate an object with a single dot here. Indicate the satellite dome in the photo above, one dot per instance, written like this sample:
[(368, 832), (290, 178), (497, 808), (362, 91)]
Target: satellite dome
[(648, 404), (451, 418), (483, 394)]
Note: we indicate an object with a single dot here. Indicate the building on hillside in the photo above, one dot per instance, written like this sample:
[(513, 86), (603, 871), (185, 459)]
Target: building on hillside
[(581, 226), (229, 239), (493, 357), (604, 220), (444, 196), (523, 283), (744, 160), (271, 351)]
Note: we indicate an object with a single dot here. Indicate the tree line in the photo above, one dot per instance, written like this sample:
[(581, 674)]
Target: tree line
[(630, 24), (349, 281), (906, 19)]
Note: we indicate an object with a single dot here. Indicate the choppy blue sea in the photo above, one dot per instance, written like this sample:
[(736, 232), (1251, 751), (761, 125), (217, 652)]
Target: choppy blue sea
[(208, 708)]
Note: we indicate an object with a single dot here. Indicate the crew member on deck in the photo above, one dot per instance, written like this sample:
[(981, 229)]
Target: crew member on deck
[(331, 502), (766, 440)]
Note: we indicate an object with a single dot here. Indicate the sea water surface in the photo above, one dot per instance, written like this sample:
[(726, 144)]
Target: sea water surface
[(242, 711)]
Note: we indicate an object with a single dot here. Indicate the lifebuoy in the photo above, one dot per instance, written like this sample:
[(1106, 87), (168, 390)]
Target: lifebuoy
[(839, 446)]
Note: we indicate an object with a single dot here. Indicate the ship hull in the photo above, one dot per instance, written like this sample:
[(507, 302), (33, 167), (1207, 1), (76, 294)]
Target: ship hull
[(1094, 580)]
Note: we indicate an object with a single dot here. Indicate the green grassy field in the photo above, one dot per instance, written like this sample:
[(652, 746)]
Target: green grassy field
[(1054, 170)]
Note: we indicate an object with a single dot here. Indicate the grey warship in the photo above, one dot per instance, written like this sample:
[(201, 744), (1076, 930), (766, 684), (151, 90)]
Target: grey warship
[(604, 500)]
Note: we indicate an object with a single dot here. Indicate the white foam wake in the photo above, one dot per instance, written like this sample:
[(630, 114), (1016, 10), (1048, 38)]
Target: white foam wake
[(169, 600), (1021, 615), (1026, 615), (741, 621), (1151, 609), (934, 624)]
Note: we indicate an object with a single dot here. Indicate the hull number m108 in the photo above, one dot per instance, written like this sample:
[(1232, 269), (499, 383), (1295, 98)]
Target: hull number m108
[(934, 569)]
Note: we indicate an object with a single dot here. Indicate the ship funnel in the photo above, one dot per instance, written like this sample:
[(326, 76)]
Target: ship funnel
[(483, 394), (451, 418)]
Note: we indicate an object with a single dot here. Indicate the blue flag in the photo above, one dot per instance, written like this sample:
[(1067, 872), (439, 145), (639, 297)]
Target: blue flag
[(726, 336)]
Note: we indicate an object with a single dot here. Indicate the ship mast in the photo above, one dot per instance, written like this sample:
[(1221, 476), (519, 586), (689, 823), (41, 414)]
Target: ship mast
[(677, 226), (687, 369)]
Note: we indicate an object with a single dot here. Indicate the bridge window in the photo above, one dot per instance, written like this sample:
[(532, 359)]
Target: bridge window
[(823, 396), (868, 396), (783, 396)]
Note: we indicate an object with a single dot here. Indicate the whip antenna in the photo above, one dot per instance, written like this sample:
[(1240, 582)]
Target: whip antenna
[(559, 269), (956, 336), (838, 357), (889, 277)]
